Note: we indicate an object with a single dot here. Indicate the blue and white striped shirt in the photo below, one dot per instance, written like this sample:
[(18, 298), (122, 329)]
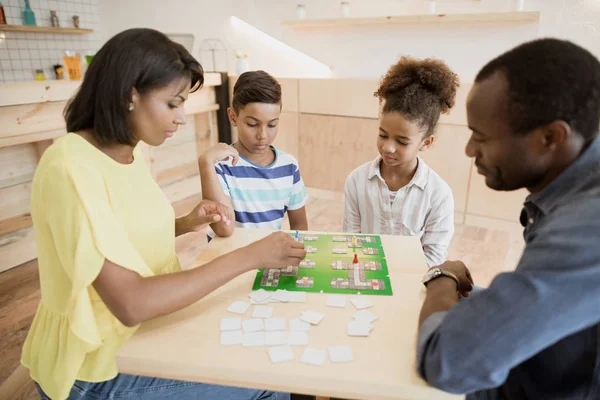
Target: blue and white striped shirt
[(262, 195)]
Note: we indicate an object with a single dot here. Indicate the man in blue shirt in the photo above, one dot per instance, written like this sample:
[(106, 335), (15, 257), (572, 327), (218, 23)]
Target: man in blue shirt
[(535, 332)]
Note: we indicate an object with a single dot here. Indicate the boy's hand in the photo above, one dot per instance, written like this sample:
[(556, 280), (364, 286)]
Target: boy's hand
[(278, 250), (219, 152)]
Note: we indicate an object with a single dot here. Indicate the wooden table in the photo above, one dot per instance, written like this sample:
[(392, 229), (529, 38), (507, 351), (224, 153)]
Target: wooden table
[(185, 345)]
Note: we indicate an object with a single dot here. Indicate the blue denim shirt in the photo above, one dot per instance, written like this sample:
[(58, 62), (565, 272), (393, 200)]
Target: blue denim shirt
[(535, 332)]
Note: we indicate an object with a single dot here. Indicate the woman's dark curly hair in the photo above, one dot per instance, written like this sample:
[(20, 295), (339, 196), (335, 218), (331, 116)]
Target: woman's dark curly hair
[(420, 90)]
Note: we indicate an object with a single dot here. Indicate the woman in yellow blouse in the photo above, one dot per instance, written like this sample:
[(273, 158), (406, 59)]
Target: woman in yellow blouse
[(106, 233)]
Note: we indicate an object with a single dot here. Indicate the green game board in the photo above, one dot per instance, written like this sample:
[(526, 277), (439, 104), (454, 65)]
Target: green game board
[(332, 273)]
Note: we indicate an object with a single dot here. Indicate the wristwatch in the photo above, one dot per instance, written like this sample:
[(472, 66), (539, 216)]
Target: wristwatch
[(435, 273)]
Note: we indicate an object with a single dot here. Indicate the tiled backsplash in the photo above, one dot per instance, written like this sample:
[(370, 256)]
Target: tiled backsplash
[(21, 53)]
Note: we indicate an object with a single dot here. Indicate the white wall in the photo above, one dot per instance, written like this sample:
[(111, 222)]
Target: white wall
[(365, 51)]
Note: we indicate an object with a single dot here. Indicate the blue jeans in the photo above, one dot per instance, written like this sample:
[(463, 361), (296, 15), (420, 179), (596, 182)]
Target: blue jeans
[(131, 387)]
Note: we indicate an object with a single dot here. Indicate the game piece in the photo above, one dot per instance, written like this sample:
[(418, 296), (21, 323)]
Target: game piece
[(313, 356), (355, 261), (231, 338), (253, 339), (339, 250), (312, 317), (305, 282), (359, 328), (231, 324), (276, 338), (280, 354), (289, 271), (281, 296), (297, 297), (354, 242), (275, 324), (270, 278), (361, 303), (252, 325), (370, 251), (311, 249), (297, 234), (297, 325), (365, 316), (297, 338), (336, 301), (262, 312), (238, 307), (307, 264), (339, 354), (260, 295)]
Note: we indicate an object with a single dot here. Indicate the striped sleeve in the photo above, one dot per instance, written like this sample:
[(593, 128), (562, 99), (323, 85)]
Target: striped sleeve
[(222, 181), (298, 195)]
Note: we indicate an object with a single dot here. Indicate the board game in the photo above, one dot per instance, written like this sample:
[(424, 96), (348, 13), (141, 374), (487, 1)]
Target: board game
[(330, 267)]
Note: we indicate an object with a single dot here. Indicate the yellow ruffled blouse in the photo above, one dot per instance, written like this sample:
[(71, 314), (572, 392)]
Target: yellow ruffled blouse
[(88, 208)]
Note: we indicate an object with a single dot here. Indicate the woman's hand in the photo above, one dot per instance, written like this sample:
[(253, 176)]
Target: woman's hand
[(278, 250), (205, 213)]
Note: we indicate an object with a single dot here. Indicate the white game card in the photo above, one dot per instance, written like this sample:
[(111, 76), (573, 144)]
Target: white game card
[(231, 324), (275, 324), (313, 356), (253, 339), (336, 300), (262, 312), (253, 325), (361, 302), (282, 296), (231, 338), (365, 316), (281, 354), (296, 325), (338, 354), (297, 297), (278, 338), (238, 307), (358, 328), (260, 295), (312, 317), (297, 338)]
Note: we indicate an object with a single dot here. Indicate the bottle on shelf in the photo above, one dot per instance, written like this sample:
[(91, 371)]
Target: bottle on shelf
[(54, 19), (2, 15), (29, 15)]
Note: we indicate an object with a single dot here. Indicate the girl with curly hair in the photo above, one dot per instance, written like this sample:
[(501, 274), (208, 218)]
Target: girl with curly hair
[(397, 193)]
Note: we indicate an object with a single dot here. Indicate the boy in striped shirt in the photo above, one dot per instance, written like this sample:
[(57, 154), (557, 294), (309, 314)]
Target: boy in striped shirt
[(259, 182)]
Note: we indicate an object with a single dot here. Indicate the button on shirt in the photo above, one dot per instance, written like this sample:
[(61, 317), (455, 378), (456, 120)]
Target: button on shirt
[(535, 332), (424, 208)]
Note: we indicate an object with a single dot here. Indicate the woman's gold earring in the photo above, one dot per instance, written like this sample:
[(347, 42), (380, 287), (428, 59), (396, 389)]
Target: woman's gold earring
[(131, 107)]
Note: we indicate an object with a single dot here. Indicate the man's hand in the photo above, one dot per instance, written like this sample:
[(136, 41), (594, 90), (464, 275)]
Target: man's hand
[(460, 270), (219, 152)]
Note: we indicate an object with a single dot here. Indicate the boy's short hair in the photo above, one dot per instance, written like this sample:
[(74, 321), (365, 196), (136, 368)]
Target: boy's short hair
[(549, 80), (255, 87)]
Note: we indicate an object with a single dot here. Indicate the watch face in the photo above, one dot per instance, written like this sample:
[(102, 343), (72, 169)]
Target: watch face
[(431, 274)]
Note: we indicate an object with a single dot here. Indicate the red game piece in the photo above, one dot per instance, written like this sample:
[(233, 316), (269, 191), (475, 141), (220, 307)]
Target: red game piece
[(375, 284), (355, 259)]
